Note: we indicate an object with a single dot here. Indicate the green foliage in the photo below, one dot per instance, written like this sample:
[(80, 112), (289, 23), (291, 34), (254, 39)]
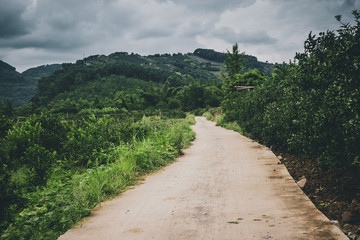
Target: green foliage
[(28, 153), (235, 63), (208, 116), (309, 107), (5, 125), (90, 140), (107, 75), (53, 172), (132, 82)]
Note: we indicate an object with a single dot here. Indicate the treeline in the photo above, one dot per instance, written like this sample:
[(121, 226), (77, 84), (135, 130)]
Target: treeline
[(309, 107), (112, 93), (210, 54), (75, 75)]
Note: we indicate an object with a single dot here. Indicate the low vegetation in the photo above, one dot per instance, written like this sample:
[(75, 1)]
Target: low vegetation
[(54, 171)]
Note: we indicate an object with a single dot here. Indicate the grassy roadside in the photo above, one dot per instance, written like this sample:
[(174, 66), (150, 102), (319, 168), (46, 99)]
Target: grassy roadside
[(212, 115), (69, 196)]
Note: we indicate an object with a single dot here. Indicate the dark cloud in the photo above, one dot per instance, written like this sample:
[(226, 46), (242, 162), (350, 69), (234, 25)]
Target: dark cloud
[(65, 30), (12, 22), (351, 4), (66, 24)]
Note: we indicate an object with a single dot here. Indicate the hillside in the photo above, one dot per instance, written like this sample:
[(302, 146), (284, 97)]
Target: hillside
[(8, 74), (19, 88), (10, 81), (36, 73), (204, 65), (136, 81)]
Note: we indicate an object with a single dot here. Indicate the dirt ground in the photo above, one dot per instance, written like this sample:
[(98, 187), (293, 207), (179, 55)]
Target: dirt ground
[(335, 192), (226, 186)]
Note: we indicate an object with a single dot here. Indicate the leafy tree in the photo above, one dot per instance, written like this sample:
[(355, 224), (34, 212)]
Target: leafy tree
[(235, 64), (311, 106)]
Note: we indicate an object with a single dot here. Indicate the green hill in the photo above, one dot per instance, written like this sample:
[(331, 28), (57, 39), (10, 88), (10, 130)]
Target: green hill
[(137, 80), (36, 73), (104, 76), (19, 88), (10, 82)]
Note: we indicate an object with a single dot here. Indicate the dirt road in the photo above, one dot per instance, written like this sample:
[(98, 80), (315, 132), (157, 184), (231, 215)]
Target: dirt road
[(225, 187)]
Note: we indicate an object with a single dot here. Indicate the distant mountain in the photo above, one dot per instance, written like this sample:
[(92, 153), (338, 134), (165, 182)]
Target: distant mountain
[(103, 76), (10, 84), (73, 81), (19, 88), (8, 74), (35, 74), (106, 79)]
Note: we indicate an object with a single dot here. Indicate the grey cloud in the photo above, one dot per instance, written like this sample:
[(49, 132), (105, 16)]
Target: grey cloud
[(212, 5), (65, 29), (153, 33), (44, 42), (69, 24), (245, 37), (317, 12), (351, 4), (12, 22)]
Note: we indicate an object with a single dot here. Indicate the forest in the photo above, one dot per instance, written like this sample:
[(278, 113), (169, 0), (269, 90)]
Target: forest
[(95, 126)]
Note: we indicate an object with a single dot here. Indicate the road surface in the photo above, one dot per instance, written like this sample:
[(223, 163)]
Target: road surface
[(226, 186)]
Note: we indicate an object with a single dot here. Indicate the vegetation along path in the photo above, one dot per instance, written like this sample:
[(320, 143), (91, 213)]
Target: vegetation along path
[(226, 186)]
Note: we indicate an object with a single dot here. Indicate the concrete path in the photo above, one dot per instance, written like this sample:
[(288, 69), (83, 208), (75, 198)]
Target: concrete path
[(225, 187)]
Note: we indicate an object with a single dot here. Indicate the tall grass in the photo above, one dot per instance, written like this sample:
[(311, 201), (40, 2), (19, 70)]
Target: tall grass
[(69, 196), (212, 115)]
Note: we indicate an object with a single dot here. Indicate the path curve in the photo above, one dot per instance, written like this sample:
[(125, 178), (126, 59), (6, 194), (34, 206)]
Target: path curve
[(226, 186)]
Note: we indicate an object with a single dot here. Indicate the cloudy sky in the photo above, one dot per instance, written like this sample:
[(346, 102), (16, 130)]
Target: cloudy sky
[(37, 32)]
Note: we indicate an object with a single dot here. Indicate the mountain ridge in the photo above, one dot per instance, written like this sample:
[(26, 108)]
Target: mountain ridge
[(202, 64), (19, 88)]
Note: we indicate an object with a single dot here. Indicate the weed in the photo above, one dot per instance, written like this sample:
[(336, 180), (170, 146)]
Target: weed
[(71, 193)]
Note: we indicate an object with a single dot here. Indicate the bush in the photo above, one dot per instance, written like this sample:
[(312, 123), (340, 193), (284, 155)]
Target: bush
[(309, 107), (69, 193)]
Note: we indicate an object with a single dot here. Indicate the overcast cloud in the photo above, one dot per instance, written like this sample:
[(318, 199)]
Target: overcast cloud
[(37, 32)]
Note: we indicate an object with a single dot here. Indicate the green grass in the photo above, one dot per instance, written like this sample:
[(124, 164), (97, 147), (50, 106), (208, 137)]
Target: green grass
[(219, 120), (71, 195), (209, 116)]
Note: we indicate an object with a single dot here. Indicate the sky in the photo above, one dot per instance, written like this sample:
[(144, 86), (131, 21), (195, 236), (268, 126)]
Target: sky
[(38, 32)]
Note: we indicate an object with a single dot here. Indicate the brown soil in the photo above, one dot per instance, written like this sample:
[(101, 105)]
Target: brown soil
[(335, 192)]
